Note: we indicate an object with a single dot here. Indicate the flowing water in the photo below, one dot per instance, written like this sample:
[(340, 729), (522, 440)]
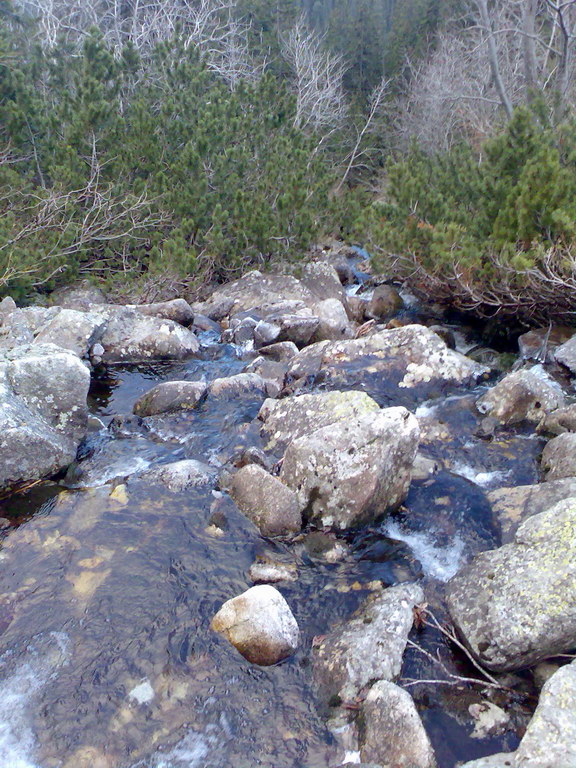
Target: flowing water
[(108, 584)]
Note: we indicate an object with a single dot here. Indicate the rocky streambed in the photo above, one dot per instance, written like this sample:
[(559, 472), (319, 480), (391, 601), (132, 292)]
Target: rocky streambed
[(304, 523)]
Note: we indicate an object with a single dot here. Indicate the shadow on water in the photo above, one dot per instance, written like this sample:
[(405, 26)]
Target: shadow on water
[(107, 592)]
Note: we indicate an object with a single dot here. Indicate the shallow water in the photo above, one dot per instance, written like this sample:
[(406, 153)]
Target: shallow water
[(107, 591)]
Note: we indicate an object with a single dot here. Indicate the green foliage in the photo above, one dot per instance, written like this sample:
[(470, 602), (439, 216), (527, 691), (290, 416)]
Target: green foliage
[(480, 225), (121, 170)]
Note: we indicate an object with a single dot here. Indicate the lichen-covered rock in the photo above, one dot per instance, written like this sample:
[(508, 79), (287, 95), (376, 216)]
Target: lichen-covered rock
[(354, 470), (559, 457), (82, 296), (43, 412), (272, 373), (20, 326), (550, 739), (559, 421), (516, 605), (385, 302), (267, 502), (511, 506), (565, 354), (411, 362), (522, 396), (392, 732), (72, 330), (367, 647), (293, 417), (333, 321), (239, 385), (176, 309), (259, 624), (321, 279), (169, 397), (133, 337)]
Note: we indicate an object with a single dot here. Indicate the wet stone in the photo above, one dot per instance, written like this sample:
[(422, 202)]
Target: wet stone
[(559, 457), (268, 503), (169, 397)]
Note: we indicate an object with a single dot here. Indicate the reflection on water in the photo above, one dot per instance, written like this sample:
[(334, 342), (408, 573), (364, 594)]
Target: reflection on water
[(107, 590)]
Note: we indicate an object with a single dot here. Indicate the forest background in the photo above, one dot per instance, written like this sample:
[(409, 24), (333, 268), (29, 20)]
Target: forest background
[(161, 145)]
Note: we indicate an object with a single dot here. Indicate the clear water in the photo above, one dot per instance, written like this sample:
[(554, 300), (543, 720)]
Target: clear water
[(108, 584)]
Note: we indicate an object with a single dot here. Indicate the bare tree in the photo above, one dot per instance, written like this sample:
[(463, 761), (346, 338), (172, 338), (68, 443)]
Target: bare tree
[(320, 99)]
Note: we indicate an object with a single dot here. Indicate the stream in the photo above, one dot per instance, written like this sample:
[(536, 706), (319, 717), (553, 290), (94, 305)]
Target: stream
[(108, 584)]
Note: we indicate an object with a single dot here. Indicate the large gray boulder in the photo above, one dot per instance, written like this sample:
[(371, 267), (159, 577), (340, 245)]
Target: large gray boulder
[(259, 624), (368, 647), (72, 330), (559, 457), (333, 321), (355, 470), (410, 361), (292, 417), (565, 354), (511, 506), (131, 337), (550, 739), (177, 310), (169, 397), (43, 412), (522, 396), (516, 606), (392, 732), (268, 503), (559, 421)]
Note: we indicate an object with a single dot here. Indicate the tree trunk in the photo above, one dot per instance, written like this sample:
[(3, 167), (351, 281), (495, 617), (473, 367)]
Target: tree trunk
[(482, 6), (529, 46)]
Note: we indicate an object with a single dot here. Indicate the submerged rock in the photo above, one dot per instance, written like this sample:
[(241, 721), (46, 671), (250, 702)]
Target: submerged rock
[(180, 475), (169, 397), (355, 470), (43, 412), (268, 503), (516, 606), (293, 417), (269, 572), (522, 396), (368, 647), (559, 457), (550, 739), (259, 624), (239, 385), (392, 732)]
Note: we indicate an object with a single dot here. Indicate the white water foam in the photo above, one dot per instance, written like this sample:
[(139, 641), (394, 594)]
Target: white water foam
[(17, 691), (480, 477), (438, 562)]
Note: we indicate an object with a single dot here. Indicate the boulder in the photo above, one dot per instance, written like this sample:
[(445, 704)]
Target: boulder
[(525, 395), (281, 352), (131, 337), (550, 739), (559, 457), (43, 412), (259, 624), (516, 606), (322, 280), (270, 371), (333, 321), (385, 302), (559, 421), (287, 419), (392, 732), (410, 362), (368, 647), (353, 471), (20, 326), (541, 343), (254, 289), (511, 506), (239, 385), (72, 330), (177, 310), (565, 354), (267, 502), (169, 397), (179, 475), (82, 296)]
